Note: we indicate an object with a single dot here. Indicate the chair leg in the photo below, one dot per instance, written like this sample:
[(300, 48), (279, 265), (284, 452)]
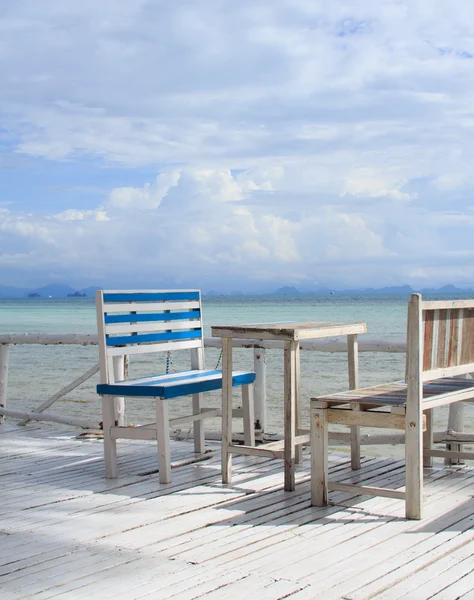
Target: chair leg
[(110, 444), (198, 426), (249, 415), (414, 471), (226, 458), (428, 438), (319, 454), (163, 439)]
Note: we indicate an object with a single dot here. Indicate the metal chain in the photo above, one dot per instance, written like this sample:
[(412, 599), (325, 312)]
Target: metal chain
[(169, 362), (219, 359)]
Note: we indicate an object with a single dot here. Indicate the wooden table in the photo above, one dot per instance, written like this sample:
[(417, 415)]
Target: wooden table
[(291, 334)]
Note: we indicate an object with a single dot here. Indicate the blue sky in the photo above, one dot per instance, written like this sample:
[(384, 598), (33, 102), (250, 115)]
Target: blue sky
[(236, 145)]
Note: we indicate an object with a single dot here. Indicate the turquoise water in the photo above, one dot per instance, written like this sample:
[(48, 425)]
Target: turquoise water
[(36, 372)]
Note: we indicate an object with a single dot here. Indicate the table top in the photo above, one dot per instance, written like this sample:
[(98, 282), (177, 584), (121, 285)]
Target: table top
[(288, 331)]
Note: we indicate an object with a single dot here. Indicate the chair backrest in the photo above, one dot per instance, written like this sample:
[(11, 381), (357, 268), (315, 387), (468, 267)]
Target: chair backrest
[(145, 321), (441, 337)]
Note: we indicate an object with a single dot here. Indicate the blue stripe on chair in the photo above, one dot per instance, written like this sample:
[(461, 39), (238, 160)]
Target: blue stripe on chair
[(138, 390), (150, 296), (123, 340), (136, 318)]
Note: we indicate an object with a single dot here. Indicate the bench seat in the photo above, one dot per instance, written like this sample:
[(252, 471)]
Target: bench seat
[(395, 393), (173, 385)]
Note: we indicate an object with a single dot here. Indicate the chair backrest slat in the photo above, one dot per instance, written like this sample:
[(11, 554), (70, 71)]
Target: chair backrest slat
[(146, 321), (150, 348), (448, 338)]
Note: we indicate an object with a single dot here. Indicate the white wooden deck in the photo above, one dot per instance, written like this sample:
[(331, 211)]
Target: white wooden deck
[(67, 532)]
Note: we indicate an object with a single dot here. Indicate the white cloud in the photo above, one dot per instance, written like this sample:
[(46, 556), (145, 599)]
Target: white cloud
[(292, 139), (81, 215), (211, 229)]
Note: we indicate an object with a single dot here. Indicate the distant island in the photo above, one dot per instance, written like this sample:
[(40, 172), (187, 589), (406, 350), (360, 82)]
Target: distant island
[(63, 290)]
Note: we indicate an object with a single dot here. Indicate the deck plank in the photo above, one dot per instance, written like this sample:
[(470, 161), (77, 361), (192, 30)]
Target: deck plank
[(67, 532)]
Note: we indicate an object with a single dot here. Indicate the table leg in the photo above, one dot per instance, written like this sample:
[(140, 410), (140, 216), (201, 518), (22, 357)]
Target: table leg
[(290, 414), (353, 365), (298, 405), (226, 409)]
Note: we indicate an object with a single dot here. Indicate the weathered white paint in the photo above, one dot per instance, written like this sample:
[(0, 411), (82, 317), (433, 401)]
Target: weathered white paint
[(65, 390), (455, 423), (30, 416), (119, 402), (337, 345), (82, 339), (64, 527), (260, 347)]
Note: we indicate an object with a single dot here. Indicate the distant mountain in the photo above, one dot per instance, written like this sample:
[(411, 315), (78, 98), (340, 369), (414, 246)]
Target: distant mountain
[(7, 291), (287, 290), (90, 291), (446, 289), (211, 293), (63, 290), (396, 289)]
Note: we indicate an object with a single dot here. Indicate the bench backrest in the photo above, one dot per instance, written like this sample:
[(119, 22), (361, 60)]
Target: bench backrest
[(441, 337), (145, 321)]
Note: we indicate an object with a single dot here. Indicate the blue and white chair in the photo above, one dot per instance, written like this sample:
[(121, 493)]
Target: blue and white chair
[(142, 322)]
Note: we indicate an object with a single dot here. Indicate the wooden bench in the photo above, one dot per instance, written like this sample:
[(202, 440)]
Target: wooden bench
[(151, 321), (440, 348)]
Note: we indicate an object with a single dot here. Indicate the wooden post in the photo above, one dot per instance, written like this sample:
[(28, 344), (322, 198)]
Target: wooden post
[(260, 387), (226, 409), (319, 453), (289, 415), (413, 427), (4, 358), (353, 367), (119, 403), (455, 423)]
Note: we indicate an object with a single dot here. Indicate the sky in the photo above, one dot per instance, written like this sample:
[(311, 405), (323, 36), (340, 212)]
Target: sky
[(237, 145)]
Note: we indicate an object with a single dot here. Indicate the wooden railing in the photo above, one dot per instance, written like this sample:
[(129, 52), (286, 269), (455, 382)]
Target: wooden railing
[(453, 435)]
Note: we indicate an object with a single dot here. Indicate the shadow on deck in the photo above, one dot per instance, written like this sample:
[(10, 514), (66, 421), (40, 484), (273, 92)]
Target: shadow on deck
[(67, 532)]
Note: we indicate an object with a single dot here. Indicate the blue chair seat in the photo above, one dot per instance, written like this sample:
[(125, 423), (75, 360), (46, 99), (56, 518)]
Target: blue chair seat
[(173, 385)]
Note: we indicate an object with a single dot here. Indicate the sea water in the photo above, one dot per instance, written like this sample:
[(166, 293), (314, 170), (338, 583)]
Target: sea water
[(36, 371)]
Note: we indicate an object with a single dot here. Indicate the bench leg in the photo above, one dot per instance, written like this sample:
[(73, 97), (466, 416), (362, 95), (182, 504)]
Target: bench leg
[(319, 455), (198, 426), (414, 471), (249, 415), (110, 444), (428, 438), (353, 365), (163, 439)]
